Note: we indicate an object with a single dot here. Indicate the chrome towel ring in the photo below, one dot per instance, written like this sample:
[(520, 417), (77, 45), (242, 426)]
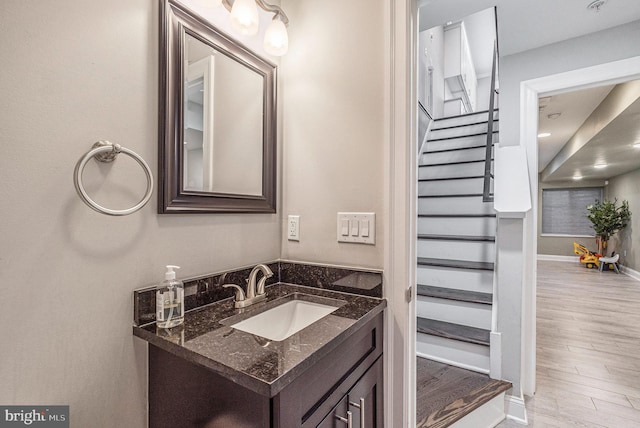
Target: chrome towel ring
[(105, 151)]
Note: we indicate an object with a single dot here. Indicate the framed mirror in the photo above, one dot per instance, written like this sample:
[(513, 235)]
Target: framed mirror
[(217, 132)]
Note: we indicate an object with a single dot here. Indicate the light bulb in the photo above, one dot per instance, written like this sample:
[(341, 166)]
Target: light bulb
[(244, 17), (276, 38)]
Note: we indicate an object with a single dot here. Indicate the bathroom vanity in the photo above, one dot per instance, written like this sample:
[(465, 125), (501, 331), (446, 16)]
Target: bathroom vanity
[(329, 374)]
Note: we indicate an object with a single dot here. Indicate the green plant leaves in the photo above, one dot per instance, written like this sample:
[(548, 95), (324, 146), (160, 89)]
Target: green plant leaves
[(607, 218)]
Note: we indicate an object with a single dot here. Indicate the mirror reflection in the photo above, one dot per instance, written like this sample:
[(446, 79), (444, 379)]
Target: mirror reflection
[(223, 123)]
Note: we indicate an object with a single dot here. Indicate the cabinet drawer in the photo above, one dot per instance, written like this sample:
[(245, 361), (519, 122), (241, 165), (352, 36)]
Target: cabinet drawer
[(318, 390)]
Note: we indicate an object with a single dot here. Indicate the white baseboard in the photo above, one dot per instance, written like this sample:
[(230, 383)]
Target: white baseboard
[(630, 272), (515, 409), (553, 258)]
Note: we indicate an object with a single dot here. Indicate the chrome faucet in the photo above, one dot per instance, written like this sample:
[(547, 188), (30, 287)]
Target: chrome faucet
[(255, 293)]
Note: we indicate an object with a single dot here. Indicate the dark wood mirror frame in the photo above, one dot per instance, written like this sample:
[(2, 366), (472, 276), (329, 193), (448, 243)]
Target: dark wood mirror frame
[(175, 22)]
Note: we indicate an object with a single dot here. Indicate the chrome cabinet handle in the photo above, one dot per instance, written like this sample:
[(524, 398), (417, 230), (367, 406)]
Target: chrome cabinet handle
[(348, 420), (361, 407)]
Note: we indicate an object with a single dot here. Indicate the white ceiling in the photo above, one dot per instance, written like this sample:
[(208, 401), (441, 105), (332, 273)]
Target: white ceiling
[(613, 146), (527, 24), (575, 108)]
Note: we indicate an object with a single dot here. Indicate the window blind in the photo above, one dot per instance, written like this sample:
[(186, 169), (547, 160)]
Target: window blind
[(564, 211)]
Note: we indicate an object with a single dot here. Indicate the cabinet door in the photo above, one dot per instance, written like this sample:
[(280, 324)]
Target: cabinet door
[(339, 417), (366, 398)]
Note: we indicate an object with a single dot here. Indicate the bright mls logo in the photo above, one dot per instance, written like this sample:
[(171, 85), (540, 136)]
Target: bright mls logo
[(34, 416)]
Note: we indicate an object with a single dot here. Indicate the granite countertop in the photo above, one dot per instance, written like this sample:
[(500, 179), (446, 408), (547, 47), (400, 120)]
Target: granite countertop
[(254, 362)]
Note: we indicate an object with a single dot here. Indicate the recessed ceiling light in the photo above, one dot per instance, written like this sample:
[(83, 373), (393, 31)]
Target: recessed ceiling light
[(544, 134), (600, 165), (554, 116), (577, 177)]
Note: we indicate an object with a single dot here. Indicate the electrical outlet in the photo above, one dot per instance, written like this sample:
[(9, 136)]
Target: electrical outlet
[(293, 228)]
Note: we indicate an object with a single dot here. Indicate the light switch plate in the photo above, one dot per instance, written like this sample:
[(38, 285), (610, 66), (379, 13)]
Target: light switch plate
[(356, 231)]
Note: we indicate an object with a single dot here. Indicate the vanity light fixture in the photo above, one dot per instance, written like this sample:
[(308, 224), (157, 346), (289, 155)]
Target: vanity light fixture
[(577, 177), (245, 20), (544, 134), (636, 146), (244, 17), (600, 165)]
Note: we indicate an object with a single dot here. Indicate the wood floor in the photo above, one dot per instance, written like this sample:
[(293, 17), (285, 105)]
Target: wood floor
[(588, 349), (445, 393)]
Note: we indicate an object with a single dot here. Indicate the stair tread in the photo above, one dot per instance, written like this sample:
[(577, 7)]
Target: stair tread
[(455, 149), (448, 330), (457, 264), (422, 165), (471, 177), (455, 294), (461, 136), (475, 238), (445, 394), (495, 110), (483, 122), (455, 215), (458, 195)]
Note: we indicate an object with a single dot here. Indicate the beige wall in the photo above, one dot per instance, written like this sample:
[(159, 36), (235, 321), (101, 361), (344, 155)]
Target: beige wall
[(627, 241), (73, 72), (332, 89)]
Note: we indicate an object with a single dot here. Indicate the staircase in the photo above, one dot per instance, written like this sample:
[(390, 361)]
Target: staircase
[(456, 244)]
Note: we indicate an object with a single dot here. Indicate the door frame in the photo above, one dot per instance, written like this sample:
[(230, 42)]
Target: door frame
[(530, 90), (400, 199)]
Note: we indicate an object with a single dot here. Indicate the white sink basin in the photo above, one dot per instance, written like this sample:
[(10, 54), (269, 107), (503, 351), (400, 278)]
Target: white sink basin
[(284, 320)]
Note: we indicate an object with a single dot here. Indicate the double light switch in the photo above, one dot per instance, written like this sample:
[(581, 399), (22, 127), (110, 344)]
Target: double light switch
[(357, 227)]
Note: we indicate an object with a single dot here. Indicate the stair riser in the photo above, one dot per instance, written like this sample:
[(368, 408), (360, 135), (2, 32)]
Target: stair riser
[(452, 187), (463, 120), (462, 313), (454, 170), (453, 352), (457, 250), (473, 226), (477, 140), (461, 131), (458, 279), (488, 415), (453, 205), (453, 156)]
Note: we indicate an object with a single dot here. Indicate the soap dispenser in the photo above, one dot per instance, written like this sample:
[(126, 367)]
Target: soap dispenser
[(170, 300)]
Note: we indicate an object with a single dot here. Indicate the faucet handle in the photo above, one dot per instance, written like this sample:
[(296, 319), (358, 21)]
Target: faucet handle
[(239, 291)]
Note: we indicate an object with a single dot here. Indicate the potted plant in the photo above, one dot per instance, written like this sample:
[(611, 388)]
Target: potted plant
[(606, 219)]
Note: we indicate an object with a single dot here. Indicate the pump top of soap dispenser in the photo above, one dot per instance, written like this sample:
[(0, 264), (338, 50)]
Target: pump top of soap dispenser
[(170, 273)]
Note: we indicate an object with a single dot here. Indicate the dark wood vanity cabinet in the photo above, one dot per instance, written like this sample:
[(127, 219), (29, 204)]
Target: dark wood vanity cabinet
[(361, 407), (347, 379)]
